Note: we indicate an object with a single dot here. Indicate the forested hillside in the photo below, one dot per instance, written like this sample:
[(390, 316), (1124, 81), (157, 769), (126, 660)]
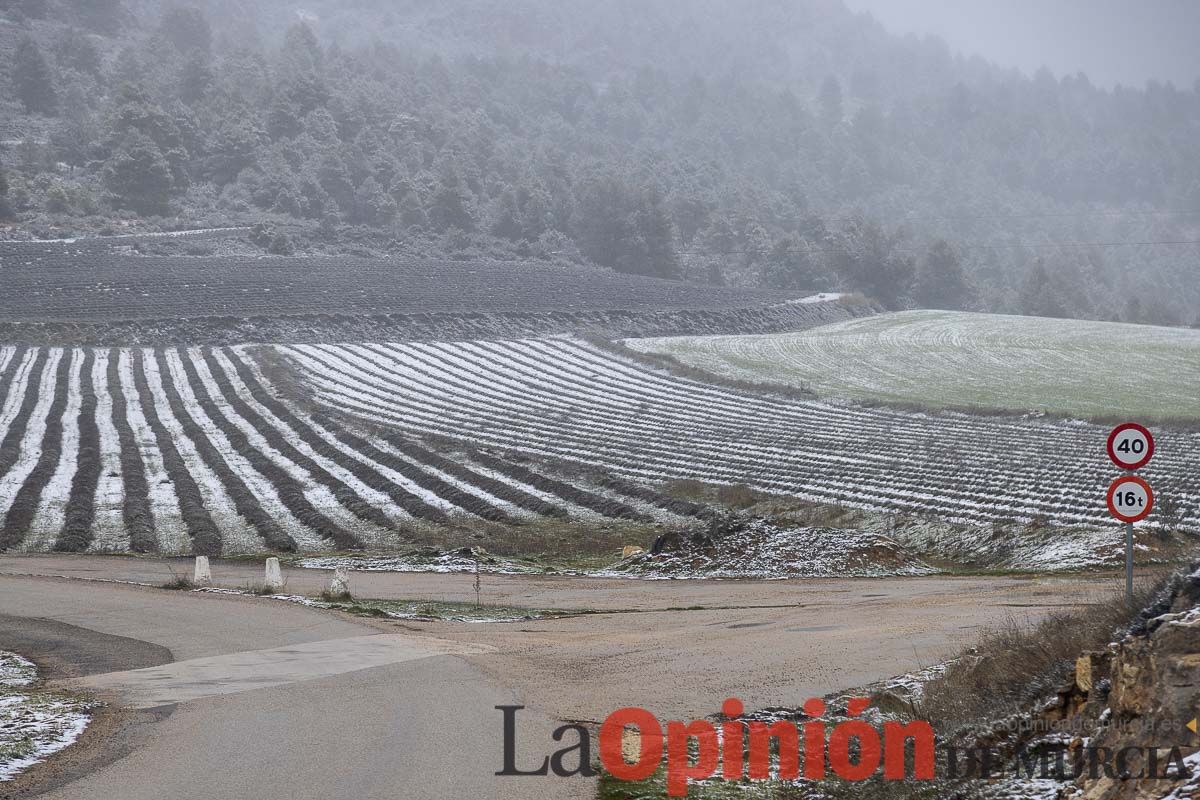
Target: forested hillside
[(756, 143)]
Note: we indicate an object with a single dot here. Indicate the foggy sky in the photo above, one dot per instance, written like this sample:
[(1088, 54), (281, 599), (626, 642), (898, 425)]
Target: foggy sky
[(1112, 41)]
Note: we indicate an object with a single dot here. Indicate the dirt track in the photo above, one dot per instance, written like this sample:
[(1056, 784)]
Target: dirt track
[(676, 647)]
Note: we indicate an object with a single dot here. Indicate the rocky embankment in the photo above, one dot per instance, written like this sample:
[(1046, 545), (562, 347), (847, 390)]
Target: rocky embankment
[(1127, 714)]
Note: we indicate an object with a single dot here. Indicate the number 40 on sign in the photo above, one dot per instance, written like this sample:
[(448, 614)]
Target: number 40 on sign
[(1130, 447)]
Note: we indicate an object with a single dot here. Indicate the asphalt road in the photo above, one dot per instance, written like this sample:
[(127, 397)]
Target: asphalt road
[(251, 697)]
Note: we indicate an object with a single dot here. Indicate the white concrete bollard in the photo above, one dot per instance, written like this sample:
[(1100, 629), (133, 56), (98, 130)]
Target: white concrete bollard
[(273, 581), (202, 574), (339, 587)]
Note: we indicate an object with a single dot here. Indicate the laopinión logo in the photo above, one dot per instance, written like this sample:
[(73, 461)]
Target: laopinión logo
[(853, 750)]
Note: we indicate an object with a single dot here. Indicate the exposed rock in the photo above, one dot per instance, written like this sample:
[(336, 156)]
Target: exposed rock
[(1155, 692)]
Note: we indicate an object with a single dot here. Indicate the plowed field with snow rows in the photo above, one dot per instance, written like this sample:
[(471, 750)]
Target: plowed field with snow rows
[(565, 398), (191, 451)]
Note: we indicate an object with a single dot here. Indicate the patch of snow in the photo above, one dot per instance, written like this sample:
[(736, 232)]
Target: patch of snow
[(1190, 788), (813, 299), (16, 671), (761, 549), (33, 726)]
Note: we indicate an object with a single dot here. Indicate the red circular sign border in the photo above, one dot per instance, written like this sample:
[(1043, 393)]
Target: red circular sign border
[(1142, 429), (1112, 489)]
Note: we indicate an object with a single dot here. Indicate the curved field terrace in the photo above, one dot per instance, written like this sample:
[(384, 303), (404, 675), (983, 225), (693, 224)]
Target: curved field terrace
[(567, 399), (189, 450), (956, 359)]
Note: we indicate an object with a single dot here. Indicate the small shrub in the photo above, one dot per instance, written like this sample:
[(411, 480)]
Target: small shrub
[(687, 488), (281, 245), (179, 583), (737, 495)]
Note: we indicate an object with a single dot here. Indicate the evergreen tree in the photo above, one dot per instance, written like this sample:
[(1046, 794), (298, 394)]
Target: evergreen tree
[(77, 51), (373, 206), (830, 101), (6, 211), (628, 229), (301, 50), (33, 80), (1039, 296), (412, 213), (941, 281), (655, 254), (869, 260), (195, 77), (450, 205), (138, 175)]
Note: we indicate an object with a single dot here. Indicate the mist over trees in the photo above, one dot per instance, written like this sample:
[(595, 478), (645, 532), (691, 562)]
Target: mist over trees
[(780, 144)]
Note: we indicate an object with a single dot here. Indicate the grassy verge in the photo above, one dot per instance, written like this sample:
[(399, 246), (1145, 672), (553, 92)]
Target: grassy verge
[(1015, 664)]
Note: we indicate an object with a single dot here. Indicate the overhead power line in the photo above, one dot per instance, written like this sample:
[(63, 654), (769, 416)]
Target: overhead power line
[(841, 217), (969, 246)]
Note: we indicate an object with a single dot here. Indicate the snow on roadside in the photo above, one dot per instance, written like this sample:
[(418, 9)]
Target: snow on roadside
[(33, 725), (763, 550), (1051, 548), (16, 671)]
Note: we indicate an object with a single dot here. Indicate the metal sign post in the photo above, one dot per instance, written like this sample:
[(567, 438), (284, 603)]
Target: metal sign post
[(1130, 499), (1129, 561)]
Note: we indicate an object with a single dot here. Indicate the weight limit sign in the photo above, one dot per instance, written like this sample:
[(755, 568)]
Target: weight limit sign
[(1130, 499)]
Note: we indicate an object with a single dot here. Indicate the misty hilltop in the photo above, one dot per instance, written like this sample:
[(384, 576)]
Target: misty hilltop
[(759, 143)]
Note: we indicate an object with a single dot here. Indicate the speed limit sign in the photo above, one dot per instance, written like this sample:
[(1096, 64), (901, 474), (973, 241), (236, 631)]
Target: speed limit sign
[(1130, 446), (1130, 499)]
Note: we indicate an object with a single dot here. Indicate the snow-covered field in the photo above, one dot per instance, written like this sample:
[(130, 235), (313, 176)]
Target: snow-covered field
[(194, 450), (564, 398), (959, 359), (189, 450), (33, 725)]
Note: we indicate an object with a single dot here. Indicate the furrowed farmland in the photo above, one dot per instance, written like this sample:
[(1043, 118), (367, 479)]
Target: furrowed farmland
[(84, 293), (236, 405), (188, 451), (953, 359), (563, 398)]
